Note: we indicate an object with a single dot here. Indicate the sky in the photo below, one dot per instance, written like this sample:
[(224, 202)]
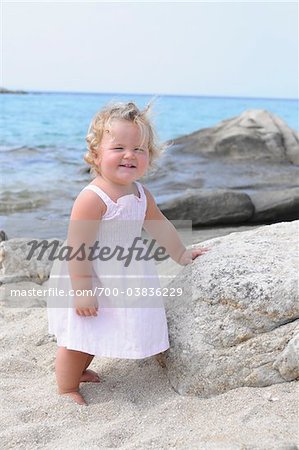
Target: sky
[(241, 49)]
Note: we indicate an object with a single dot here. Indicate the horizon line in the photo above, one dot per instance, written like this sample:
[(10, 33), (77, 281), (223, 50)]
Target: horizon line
[(30, 91)]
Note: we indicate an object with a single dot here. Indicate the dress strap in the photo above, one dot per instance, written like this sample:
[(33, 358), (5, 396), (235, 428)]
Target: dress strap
[(106, 199)]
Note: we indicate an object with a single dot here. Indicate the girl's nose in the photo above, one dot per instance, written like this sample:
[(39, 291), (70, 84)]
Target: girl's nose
[(129, 154)]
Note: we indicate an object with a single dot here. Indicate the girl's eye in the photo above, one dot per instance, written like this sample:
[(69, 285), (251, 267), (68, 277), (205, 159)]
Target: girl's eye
[(141, 150)]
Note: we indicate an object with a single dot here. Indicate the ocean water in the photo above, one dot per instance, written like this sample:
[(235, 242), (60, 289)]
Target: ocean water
[(43, 143)]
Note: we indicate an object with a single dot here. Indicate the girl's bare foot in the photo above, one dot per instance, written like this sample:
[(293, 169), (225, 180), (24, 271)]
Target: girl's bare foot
[(89, 376), (77, 397)]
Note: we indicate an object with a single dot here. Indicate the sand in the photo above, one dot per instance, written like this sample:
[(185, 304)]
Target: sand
[(133, 407)]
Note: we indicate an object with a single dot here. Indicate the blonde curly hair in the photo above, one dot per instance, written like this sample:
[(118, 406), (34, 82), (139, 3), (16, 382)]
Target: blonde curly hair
[(121, 111)]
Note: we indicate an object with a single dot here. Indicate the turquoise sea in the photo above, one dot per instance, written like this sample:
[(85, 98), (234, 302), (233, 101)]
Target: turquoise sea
[(43, 143)]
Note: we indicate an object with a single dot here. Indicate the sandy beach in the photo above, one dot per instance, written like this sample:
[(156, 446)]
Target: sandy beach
[(134, 405)]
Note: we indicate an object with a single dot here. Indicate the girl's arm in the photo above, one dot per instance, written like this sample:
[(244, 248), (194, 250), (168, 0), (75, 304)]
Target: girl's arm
[(162, 230), (86, 214)]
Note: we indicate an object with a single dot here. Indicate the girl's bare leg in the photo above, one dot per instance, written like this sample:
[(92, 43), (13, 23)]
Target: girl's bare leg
[(69, 368)]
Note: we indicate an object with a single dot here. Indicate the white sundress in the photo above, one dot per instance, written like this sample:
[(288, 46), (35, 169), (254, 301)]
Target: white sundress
[(128, 325)]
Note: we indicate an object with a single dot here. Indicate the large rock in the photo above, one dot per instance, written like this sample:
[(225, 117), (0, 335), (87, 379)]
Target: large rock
[(236, 323), (253, 135), (209, 207), (255, 154), (224, 206), (17, 264), (274, 206)]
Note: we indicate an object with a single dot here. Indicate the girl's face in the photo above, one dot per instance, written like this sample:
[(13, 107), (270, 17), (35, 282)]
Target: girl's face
[(123, 158)]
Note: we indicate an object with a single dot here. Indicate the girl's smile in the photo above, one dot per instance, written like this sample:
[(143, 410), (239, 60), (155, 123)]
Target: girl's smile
[(128, 166)]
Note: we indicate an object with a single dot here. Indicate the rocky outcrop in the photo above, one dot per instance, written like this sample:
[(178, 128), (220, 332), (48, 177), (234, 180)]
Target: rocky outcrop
[(253, 135), (19, 263), (224, 206), (253, 156), (10, 91), (235, 324), (208, 207), (275, 205)]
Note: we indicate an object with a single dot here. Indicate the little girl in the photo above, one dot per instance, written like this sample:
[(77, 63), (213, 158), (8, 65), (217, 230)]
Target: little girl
[(112, 209)]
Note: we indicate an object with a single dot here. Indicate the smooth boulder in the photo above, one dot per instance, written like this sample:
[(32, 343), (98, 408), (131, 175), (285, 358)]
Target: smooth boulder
[(253, 135), (18, 264), (236, 322), (209, 207)]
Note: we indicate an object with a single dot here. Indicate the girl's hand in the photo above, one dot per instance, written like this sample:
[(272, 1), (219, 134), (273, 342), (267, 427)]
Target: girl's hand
[(189, 255), (86, 306), (87, 312)]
